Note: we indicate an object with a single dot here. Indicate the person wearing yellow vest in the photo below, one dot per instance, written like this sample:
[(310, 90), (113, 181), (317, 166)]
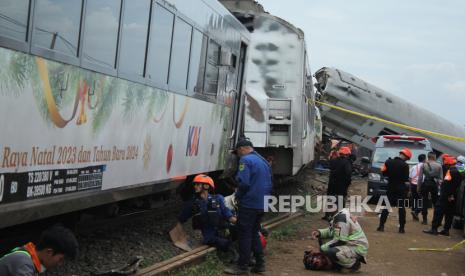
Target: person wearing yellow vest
[(446, 203), (56, 243), (344, 243)]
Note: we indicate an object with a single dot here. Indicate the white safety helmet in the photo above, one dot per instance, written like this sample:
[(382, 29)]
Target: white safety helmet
[(461, 159)]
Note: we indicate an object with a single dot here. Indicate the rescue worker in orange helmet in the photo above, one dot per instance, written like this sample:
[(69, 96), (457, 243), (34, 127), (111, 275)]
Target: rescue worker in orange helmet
[(56, 243), (340, 178), (446, 203), (397, 172), (209, 213)]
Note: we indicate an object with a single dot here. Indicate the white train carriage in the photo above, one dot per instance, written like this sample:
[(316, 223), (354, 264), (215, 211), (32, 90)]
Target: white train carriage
[(277, 117), (345, 90), (106, 100)]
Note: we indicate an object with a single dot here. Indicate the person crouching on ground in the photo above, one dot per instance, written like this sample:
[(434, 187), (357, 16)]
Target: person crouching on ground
[(209, 213), (56, 243), (347, 246)]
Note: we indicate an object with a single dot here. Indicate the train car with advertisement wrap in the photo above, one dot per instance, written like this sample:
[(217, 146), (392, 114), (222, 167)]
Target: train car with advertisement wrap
[(106, 100)]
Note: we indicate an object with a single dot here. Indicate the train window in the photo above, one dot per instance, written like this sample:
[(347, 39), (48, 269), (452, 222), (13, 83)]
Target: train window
[(13, 19), (134, 37), (101, 32), (158, 58), (180, 49), (212, 69), (56, 25), (197, 62)]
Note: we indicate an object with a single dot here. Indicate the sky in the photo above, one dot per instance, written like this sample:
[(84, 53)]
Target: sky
[(414, 49)]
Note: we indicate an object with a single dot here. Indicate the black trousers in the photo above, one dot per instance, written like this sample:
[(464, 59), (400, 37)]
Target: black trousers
[(443, 208), (248, 225), (415, 199), (395, 199), (428, 191)]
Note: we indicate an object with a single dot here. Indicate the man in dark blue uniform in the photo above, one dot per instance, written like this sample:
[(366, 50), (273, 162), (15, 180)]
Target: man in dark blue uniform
[(209, 213), (397, 171), (445, 205), (254, 183)]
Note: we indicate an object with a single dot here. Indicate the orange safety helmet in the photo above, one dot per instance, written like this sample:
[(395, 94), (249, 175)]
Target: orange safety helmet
[(450, 160), (445, 155), (406, 152), (202, 178), (344, 150)]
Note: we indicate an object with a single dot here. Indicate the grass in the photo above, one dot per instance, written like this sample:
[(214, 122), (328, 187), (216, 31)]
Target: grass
[(284, 233)]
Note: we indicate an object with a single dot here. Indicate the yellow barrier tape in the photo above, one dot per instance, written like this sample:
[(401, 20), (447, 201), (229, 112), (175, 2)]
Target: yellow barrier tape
[(456, 246), (432, 133)]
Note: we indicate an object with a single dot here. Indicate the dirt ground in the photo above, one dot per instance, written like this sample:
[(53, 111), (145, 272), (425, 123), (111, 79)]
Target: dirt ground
[(388, 253)]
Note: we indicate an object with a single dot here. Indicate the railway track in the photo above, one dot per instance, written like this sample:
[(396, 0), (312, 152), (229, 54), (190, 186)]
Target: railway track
[(187, 258), (200, 252)]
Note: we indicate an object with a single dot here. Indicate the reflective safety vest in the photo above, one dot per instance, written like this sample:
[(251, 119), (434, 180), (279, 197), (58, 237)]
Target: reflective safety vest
[(344, 230), (29, 250), (461, 169)]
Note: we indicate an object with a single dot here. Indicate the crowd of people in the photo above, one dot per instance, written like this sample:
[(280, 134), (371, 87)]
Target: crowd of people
[(233, 224), (426, 184)]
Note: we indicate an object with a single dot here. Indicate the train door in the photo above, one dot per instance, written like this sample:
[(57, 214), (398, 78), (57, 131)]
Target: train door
[(238, 98)]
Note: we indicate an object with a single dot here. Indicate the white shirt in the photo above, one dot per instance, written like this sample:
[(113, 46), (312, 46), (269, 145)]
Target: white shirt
[(414, 173)]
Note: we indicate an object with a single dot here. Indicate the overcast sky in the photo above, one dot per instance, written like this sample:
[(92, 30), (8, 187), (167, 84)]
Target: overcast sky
[(414, 49)]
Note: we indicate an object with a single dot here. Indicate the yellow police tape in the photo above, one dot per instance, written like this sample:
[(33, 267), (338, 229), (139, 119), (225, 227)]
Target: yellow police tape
[(432, 133), (456, 246)]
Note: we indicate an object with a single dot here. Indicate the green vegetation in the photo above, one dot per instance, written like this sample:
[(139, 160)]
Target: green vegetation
[(284, 233)]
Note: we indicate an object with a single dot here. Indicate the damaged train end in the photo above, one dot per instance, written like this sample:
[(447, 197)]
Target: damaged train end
[(277, 116)]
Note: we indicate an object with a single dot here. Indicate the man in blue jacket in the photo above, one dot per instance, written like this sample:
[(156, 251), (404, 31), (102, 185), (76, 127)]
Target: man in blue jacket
[(254, 183)]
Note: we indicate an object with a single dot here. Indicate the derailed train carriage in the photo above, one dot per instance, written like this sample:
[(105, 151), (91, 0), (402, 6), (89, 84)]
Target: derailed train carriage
[(103, 101), (345, 90), (278, 117)]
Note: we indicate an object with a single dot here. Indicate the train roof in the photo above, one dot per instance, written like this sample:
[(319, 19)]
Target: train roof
[(246, 15)]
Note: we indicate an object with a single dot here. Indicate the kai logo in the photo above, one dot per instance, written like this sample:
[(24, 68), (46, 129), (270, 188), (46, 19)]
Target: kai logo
[(193, 141), (2, 183)]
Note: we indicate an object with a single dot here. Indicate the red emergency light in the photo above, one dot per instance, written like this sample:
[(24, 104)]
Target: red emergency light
[(404, 137)]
